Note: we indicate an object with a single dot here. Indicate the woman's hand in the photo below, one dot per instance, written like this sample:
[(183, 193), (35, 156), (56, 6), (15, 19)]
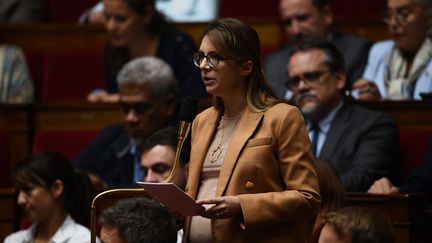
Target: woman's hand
[(368, 91), (222, 208)]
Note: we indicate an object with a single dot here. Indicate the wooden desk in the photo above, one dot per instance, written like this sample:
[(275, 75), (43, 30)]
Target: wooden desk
[(8, 212), (406, 213)]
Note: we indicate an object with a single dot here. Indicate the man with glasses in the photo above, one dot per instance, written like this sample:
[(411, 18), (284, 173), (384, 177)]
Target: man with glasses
[(148, 93), (306, 19), (400, 68), (361, 144)]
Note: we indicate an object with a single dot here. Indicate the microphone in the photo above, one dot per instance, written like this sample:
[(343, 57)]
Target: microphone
[(187, 114)]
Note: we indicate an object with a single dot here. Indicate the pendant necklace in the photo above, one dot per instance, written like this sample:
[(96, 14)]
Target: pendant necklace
[(217, 152)]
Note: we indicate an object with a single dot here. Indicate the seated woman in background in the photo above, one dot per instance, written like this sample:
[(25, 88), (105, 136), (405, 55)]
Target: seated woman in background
[(16, 85), (400, 68), (53, 196), (135, 29)]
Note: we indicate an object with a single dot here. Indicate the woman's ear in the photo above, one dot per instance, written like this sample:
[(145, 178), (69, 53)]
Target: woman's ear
[(247, 68), (57, 188)]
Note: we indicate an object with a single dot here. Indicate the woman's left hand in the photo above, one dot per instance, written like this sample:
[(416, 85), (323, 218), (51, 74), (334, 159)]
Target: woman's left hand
[(223, 208)]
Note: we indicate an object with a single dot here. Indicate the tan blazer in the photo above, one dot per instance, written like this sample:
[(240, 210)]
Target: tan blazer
[(269, 165)]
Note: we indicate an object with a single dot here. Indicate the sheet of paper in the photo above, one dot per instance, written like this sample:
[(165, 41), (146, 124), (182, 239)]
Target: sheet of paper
[(172, 197)]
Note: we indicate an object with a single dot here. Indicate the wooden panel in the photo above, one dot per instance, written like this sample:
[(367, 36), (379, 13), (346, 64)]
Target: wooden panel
[(7, 212), (406, 213), (72, 115)]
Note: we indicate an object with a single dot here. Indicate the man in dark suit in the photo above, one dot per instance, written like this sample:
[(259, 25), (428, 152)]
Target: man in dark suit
[(420, 180), (361, 144), (148, 92), (306, 19)]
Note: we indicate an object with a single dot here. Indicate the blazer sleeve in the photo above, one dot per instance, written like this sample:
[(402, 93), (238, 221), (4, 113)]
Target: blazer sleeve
[(375, 154), (299, 199)]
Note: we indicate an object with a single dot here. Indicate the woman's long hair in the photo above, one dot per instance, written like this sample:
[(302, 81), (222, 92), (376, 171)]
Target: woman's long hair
[(44, 168), (240, 41)]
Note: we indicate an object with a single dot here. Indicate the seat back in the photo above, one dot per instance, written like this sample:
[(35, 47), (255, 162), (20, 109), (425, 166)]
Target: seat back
[(108, 198)]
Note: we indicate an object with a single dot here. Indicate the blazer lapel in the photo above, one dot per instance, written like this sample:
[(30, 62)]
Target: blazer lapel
[(335, 132), (201, 145), (246, 127)]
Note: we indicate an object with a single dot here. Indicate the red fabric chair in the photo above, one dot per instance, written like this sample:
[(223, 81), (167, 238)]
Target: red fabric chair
[(414, 143), (68, 11), (71, 74), (68, 142)]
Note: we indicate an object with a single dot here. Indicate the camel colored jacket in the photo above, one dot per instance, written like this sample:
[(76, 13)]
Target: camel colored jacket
[(269, 166)]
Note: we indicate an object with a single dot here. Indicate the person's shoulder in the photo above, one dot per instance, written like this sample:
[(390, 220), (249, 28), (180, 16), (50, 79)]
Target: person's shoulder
[(19, 236), (363, 113), (279, 55), (383, 46), (209, 112), (281, 109), (176, 36), (350, 38)]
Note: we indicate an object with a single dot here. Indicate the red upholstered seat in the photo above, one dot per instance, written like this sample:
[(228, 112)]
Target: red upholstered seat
[(68, 11), (414, 143), (71, 74), (68, 142)]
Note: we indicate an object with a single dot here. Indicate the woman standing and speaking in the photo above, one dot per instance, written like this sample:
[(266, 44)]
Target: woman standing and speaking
[(251, 163)]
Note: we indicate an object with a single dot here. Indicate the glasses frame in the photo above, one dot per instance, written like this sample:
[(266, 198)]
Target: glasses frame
[(314, 77), (138, 107), (401, 15), (198, 57)]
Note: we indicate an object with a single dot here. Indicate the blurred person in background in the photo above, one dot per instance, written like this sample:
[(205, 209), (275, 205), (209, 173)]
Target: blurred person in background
[(16, 85), (400, 68), (54, 197), (312, 19), (148, 97), (136, 29)]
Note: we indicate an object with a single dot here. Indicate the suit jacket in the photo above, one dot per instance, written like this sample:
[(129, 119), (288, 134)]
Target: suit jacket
[(22, 10), (421, 178), (109, 157), (354, 50), (269, 166), (377, 69), (362, 145)]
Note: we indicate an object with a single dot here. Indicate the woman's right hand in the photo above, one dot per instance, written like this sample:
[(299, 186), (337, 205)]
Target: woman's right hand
[(368, 90)]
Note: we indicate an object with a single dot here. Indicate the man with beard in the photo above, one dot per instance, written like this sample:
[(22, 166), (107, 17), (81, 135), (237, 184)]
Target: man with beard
[(148, 92), (361, 144), (306, 19)]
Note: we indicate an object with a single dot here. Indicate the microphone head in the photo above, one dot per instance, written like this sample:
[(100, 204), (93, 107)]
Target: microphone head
[(188, 109)]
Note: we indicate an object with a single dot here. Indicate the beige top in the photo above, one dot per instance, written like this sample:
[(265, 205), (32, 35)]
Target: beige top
[(200, 226)]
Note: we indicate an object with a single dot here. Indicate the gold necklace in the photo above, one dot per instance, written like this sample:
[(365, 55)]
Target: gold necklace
[(217, 152)]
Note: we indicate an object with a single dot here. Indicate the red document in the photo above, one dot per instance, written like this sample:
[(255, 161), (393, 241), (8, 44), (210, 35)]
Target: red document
[(172, 197)]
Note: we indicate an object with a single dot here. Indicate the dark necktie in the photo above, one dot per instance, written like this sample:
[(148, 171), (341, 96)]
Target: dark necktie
[(315, 134)]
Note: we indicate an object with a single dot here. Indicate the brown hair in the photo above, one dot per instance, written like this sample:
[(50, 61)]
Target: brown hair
[(364, 224), (240, 41)]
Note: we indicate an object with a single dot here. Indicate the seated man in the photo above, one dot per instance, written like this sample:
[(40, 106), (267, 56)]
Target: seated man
[(148, 92), (419, 181), (361, 144), (356, 225), (400, 68), (138, 220), (305, 19), (158, 155)]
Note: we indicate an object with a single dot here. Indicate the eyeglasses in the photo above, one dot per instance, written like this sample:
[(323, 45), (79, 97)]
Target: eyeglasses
[(212, 58), (401, 15), (158, 168), (308, 78), (140, 107)]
